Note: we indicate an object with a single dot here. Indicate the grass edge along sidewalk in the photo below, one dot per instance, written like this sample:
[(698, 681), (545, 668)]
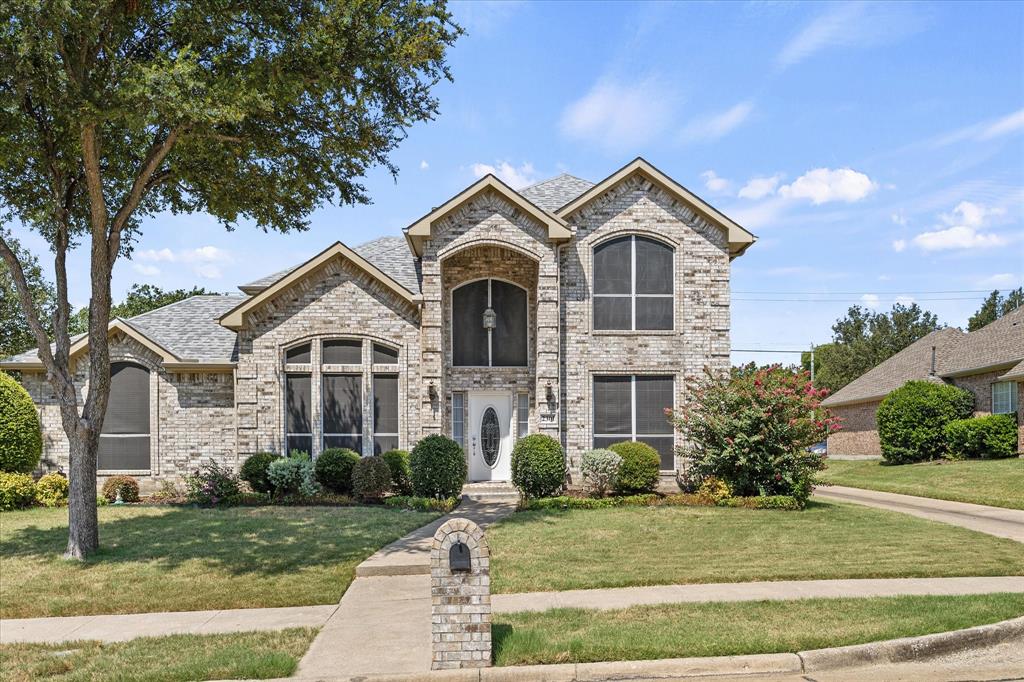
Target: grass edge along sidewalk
[(735, 628), (993, 482)]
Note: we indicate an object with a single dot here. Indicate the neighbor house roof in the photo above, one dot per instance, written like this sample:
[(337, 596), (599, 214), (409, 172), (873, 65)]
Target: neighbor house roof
[(996, 346), (185, 334), (739, 237)]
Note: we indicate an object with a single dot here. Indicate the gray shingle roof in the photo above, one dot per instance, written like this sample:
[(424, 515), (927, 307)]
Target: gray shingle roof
[(390, 254), (188, 328), (1000, 343), (556, 192)]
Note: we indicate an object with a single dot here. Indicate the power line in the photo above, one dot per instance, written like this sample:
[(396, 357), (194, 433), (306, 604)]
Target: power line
[(880, 293), (851, 300)]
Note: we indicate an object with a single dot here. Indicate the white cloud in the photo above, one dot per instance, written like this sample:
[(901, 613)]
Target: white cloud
[(205, 261), (986, 130), (620, 115), (515, 177), (424, 165), (899, 245), (963, 230), (870, 301), (823, 185), (758, 188), (899, 218), (715, 183), (717, 125), (850, 24), (1002, 280)]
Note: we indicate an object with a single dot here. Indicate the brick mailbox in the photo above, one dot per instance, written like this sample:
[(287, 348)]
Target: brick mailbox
[(460, 591)]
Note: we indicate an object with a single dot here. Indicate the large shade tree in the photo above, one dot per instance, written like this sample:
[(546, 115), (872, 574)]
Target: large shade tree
[(114, 110)]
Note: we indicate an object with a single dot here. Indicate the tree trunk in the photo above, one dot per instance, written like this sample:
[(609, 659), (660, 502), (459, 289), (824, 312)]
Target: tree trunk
[(83, 524)]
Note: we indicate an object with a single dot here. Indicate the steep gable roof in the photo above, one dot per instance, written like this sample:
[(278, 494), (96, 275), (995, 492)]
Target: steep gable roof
[(184, 335), (912, 363), (999, 343), (554, 193), (420, 230), (739, 237), (235, 318)]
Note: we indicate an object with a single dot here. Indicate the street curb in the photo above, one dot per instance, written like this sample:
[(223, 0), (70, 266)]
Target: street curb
[(890, 651), (912, 648)]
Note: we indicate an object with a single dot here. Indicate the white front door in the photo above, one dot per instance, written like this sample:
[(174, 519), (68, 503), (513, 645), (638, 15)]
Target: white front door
[(490, 436)]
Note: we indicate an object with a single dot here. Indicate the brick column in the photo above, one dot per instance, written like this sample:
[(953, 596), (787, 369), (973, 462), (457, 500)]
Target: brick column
[(460, 597)]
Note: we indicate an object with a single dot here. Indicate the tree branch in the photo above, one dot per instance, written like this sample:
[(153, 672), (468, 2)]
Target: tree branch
[(27, 303)]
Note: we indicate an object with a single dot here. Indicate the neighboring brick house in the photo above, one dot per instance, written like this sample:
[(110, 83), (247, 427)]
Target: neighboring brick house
[(577, 310), (988, 362)]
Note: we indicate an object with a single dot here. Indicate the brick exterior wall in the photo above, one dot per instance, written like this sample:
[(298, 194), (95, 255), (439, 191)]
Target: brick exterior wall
[(701, 335), (228, 416), (859, 435), (192, 415)]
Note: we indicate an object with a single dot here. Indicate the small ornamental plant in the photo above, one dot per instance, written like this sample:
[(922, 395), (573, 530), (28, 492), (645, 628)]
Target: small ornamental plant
[(600, 470), (52, 490), (751, 431), (212, 486), (293, 477), (123, 488)]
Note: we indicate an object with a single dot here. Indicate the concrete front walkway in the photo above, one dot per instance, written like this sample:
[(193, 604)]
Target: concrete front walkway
[(1005, 523), (124, 627), (622, 597), (382, 624)]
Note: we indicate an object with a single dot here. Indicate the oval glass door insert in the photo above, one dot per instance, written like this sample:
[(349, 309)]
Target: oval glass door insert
[(490, 436)]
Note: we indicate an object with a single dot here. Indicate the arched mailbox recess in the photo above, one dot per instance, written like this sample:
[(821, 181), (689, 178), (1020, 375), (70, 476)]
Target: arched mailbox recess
[(460, 596)]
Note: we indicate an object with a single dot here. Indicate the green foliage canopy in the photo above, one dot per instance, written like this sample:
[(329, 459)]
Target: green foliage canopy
[(994, 307)]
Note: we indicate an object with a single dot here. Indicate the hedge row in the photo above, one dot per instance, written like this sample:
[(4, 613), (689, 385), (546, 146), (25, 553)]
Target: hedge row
[(779, 502)]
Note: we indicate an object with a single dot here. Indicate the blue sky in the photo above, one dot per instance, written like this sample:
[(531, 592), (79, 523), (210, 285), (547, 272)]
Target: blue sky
[(877, 150)]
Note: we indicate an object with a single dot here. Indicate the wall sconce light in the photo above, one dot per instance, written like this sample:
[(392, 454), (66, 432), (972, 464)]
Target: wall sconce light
[(432, 391), (549, 394)]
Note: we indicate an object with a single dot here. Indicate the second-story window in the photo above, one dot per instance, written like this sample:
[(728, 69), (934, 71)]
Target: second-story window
[(489, 324), (633, 284)]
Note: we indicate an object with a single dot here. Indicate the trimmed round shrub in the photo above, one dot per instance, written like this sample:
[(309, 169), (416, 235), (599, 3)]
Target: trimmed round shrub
[(438, 467), (21, 440), (401, 474), (989, 437), (52, 490), (17, 491), (254, 471), (292, 477), (600, 469), (912, 420), (538, 465), (371, 478), (640, 467), (127, 486), (334, 469)]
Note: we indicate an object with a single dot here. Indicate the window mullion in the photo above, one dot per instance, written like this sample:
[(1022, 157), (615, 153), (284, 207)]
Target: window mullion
[(632, 425), (490, 332), (632, 283)]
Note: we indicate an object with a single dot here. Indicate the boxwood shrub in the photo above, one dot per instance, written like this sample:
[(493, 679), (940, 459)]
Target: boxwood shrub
[(127, 486), (438, 467), (988, 437), (21, 441), (52, 490), (640, 467), (254, 471), (401, 475), (538, 465), (912, 420), (334, 469), (371, 479), (17, 491)]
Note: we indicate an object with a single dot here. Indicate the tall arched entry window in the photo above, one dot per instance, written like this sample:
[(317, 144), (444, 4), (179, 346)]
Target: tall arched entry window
[(124, 441), (489, 324)]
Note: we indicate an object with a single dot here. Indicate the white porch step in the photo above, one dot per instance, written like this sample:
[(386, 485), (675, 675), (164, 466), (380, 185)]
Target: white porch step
[(490, 491)]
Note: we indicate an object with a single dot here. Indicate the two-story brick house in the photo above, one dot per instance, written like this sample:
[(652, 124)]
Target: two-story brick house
[(568, 308)]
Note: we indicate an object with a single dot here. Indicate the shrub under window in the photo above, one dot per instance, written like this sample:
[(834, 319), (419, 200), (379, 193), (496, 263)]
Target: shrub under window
[(987, 437), (21, 441), (334, 469), (639, 469)]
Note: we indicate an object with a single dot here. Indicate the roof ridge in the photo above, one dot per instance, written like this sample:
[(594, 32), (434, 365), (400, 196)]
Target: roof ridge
[(174, 303), (552, 178)]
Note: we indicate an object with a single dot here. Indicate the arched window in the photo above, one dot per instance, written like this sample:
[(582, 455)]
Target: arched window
[(633, 284), (489, 324), (124, 441)]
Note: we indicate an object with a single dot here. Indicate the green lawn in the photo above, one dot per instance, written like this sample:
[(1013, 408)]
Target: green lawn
[(564, 550), (998, 482), (246, 655), (732, 628), (188, 559)]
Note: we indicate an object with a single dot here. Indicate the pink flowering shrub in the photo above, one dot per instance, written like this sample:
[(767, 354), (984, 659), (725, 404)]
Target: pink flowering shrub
[(213, 485), (752, 430)]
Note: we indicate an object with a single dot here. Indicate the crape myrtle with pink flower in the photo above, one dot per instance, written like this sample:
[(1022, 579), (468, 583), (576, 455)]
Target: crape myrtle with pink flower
[(752, 430)]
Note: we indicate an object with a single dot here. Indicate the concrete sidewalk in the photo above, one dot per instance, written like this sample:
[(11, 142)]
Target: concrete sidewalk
[(121, 628), (1004, 523), (383, 621), (622, 597)]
